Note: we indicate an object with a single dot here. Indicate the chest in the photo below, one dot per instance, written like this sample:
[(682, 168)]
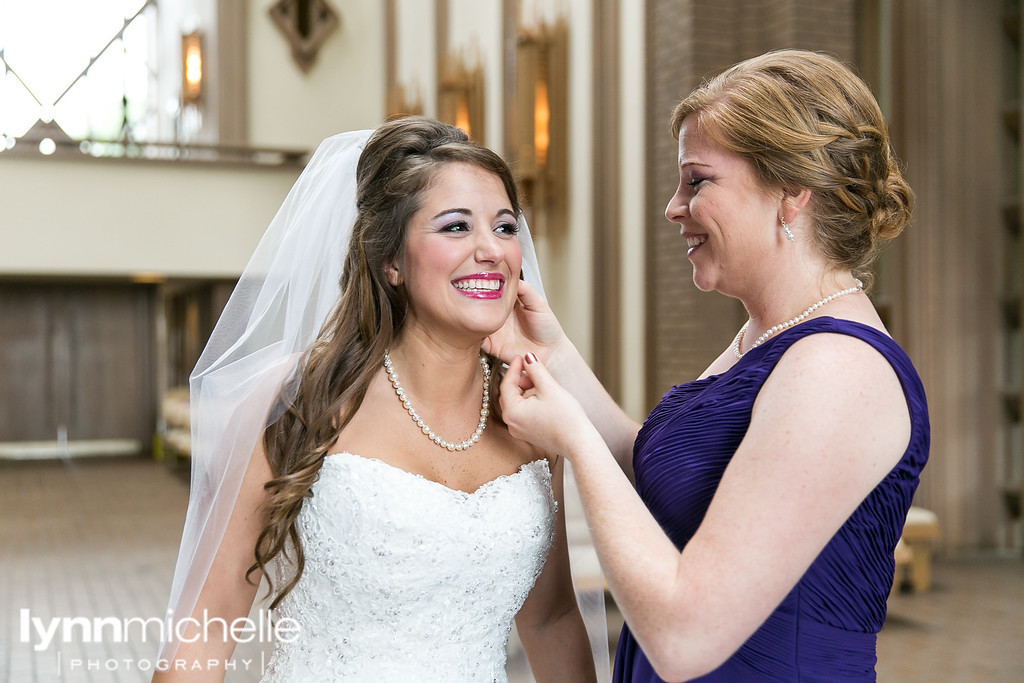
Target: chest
[(383, 429), (685, 445), (365, 515)]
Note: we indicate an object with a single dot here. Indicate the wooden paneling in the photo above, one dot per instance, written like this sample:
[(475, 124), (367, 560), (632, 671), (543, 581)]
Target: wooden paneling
[(26, 369), (607, 300), (78, 357), (686, 328), (947, 127)]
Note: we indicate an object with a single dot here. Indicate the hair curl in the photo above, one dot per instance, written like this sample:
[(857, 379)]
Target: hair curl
[(396, 167), (805, 120)]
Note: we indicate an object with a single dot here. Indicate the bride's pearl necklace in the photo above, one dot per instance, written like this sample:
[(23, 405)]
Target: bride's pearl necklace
[(789, 323), (450, 445)]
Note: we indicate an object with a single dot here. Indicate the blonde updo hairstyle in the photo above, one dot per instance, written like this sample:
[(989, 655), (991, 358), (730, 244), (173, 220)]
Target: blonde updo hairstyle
[(804, 120)]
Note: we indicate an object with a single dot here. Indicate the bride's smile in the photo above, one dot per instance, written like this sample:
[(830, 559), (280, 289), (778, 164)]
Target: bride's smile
[(461, 262)]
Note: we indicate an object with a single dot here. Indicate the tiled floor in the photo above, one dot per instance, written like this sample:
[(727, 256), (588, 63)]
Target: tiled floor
[(84, 538), (968, 628), (98, 538)]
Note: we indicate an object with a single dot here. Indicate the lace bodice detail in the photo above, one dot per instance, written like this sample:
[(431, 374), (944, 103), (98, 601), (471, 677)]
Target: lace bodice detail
[(407, 579)]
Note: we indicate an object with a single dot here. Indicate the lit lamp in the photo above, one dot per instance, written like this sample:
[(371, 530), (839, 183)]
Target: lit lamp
[(191, 68), (461, 97), (541, 130), (541, 123)]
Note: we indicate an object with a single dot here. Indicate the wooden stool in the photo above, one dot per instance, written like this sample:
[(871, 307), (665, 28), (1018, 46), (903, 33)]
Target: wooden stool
[(904, 557), (919, 533)]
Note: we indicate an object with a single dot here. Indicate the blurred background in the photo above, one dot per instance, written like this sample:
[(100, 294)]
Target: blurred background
[(146, 144)]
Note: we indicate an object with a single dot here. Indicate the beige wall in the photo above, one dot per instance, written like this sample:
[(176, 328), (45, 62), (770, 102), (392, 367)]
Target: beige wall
[(343, 91), (415, 66), (115, 218), (475, 33), (566, 258), (633, 199)]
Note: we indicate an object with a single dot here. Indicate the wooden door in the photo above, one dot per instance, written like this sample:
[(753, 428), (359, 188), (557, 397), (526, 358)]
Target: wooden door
[(77, 362)]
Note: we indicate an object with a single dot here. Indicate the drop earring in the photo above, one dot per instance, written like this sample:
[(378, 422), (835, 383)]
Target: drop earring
[(785, 229)]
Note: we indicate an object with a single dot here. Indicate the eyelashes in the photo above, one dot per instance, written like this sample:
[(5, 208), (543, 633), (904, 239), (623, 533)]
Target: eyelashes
[(463, 226), (455, 226)]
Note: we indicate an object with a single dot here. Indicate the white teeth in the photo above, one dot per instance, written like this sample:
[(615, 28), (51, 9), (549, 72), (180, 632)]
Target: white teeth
[(478, 285), (695, 241)]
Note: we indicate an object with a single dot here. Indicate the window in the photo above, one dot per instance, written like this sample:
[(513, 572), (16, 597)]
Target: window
[(99, 76)]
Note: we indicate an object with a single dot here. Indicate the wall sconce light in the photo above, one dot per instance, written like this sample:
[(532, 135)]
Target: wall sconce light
[(541, 122), (461, 96), (400, 103), (191, 67)]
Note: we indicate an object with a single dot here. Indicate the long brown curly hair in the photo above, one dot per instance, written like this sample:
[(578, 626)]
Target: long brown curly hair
[(395, 168)]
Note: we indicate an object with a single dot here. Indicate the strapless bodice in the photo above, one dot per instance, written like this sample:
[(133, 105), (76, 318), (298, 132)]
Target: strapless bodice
[(407, 579)]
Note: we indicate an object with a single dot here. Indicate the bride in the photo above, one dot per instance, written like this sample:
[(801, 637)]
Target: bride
[(349, 448)]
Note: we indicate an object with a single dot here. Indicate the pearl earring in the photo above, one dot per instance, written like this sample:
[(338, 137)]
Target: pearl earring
[(785, 228)]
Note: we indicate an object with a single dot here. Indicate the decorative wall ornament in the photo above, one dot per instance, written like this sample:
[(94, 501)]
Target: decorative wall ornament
[(541, 122), (306, 24), (401, 102), (461, 95)]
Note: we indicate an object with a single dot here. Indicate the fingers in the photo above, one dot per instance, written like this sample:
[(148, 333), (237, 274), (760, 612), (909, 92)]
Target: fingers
[(520, 382), (529, 298), (525, 289), (511, 383), (535, 407), (536, 372)]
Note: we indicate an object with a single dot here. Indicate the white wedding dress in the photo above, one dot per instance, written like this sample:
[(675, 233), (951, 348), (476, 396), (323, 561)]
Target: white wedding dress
[(407, 579)]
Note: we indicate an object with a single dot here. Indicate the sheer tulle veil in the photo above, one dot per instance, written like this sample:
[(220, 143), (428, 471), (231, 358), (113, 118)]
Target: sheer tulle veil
[(286, 292)]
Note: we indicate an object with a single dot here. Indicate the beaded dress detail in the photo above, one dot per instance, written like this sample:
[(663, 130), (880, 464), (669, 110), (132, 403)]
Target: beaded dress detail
[(407, 579)]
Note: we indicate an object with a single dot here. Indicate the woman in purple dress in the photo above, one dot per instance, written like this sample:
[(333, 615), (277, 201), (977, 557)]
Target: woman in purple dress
[(747, 528)]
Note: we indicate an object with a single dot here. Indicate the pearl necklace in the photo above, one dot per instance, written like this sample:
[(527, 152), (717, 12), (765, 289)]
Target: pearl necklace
[(789, 323), (450, 445)]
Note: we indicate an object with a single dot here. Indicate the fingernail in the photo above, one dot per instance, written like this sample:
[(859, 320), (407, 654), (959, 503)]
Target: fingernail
[(530, 359)]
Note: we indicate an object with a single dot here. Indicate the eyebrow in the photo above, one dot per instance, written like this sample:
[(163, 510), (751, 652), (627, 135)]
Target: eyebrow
[(694, 163), (467, 212)]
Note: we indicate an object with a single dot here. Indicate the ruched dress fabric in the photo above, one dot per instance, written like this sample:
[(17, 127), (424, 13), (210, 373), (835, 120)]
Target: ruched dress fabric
[(407, 579), (825, 629)]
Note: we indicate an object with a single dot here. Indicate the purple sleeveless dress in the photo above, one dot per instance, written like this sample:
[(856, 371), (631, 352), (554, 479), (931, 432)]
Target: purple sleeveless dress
[(825, 629)]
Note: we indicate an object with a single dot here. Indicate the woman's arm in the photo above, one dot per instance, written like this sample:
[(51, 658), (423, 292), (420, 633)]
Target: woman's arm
[(226, 595), (533, 328), (830, 422), (549, 622)]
